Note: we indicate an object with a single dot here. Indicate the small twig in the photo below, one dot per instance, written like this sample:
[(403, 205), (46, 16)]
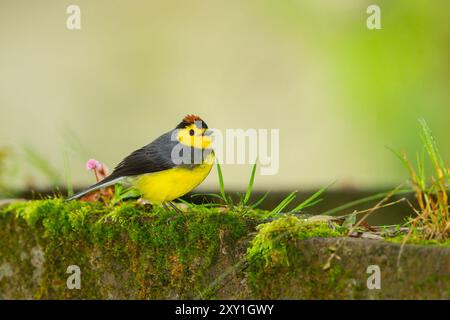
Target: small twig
[(369, 212), (371, 209), (411, 228)]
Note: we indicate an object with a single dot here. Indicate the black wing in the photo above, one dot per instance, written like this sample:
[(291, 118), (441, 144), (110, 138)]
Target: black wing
[(153, 157)]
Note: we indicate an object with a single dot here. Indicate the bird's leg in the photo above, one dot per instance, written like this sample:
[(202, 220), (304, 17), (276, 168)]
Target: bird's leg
[(178, 211), (143, 202), (164, 204), (174, 207)]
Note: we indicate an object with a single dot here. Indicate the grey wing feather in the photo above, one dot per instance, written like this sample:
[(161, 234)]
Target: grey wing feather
[(153, 157)]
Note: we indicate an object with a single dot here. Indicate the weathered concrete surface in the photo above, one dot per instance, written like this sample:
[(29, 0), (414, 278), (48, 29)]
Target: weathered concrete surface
[(423, 271), (139, 255)]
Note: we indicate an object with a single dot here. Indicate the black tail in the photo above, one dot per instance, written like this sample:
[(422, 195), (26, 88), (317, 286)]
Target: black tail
[(108, 181)]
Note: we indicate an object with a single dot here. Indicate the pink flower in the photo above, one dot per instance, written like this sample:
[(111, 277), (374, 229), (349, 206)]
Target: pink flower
[(93, 164)]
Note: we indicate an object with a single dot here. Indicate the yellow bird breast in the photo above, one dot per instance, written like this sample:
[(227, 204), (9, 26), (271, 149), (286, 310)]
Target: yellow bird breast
[(171, 184)]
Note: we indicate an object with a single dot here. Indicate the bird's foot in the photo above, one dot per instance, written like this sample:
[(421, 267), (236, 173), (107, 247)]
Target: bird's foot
[(173, 207), (143, 202)]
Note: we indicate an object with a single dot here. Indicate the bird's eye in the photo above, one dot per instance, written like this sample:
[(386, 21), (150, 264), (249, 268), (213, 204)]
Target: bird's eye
[(191, 132)]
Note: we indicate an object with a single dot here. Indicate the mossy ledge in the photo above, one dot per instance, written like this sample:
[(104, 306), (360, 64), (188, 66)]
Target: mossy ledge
[(133, 251)]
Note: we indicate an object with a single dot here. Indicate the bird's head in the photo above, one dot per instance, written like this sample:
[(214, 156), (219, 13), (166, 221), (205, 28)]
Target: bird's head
[(192, 131)]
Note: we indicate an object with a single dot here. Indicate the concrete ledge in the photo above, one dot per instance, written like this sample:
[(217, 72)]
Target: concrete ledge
[(129, 252)]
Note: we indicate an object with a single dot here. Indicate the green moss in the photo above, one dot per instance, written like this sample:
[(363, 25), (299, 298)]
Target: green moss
[(164, 253), (133, 251), (274, 260), (270, 244), (416, 238)]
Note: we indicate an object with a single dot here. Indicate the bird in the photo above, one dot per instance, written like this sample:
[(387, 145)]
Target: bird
[(167, 168)]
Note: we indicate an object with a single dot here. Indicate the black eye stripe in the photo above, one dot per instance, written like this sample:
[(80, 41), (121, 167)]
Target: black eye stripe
[(191, 132)]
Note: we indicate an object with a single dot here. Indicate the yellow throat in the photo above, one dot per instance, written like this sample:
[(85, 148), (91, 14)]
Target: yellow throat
[(171, 184)]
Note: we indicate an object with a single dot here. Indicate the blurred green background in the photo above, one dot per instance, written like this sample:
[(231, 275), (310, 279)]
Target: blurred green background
[(338, 92)]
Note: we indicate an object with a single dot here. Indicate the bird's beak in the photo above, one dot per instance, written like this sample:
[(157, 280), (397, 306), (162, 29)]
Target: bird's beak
[(208, 133)]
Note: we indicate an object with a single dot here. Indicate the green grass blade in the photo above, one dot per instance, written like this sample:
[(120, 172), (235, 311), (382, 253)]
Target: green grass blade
[(130, 193), (257, 203), (399, 156), (308, 202), (190, 205), (230, 202), (240, 197), (250, 185), (116, 197), (365, 200), (312, 204), (283, 204), (421, 169), (221, 183), (432, 148)]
